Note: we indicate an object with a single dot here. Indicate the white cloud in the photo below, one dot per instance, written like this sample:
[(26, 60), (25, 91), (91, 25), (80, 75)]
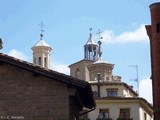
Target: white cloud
[(145, 89), (137, 35), (17, 54), (60, 67)]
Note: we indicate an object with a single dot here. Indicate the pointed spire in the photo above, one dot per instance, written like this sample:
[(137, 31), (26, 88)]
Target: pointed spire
[(90, 39)]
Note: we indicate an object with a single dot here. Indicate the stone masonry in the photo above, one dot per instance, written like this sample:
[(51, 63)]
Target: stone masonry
[(31, 96)]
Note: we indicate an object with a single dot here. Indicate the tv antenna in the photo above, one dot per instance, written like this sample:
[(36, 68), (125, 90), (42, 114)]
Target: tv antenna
[(136, 80)]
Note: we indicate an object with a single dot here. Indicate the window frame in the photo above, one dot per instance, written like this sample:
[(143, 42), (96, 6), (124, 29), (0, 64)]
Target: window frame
[(124, 112), (39, 61), (112, 92), (105, 114)]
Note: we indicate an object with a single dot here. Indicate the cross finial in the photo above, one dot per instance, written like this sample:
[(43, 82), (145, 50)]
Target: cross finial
[(42, 30), (99, 34)]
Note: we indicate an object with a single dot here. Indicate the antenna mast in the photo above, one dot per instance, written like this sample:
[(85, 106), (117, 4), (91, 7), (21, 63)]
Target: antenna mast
[(137, 80)]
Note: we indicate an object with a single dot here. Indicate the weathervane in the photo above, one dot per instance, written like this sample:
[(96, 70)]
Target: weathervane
[(99, 34), (42, 30), (90, 29), (99, 43)]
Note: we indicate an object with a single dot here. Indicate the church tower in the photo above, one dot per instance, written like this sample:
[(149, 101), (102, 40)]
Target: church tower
[(90, 49), (41, 52), (153, 32), (93, 64)]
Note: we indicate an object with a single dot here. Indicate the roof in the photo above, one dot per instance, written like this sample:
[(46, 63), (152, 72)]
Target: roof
[(156, 4), (90, 40), (126, 98), (100, 60), (83, 60), (83, 87), (117, 83), (41, 42)]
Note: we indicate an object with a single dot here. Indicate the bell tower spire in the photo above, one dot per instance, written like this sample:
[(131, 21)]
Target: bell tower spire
[(41, 51), (90, 49)]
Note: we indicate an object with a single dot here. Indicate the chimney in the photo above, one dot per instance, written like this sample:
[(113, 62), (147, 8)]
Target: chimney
[(153, 32)]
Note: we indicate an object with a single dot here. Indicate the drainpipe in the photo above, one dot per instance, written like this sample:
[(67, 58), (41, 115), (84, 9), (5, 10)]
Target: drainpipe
[(98, 85)]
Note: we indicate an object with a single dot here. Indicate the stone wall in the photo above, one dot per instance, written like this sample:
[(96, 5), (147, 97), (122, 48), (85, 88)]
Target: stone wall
[(29, 96)]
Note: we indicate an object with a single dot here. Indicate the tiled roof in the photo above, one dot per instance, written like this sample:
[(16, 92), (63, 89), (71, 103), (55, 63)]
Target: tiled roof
[(82, 86)]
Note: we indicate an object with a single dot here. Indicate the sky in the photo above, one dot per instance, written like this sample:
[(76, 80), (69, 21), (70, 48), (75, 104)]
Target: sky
[(67, 22)]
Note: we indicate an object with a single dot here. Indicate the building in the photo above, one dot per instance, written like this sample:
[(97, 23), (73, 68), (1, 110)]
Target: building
[(115, 100), (33, 92), (153, 32)]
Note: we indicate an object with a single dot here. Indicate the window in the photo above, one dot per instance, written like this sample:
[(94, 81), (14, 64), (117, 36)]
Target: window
[(111, 92), (39, 61), (124, 114), (145, 116), (103, 114), (34, 60), (158, 27), (45, 62)]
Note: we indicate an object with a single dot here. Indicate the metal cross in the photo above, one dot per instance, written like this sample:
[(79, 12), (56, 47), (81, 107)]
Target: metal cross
[(99, 34), (42, 26)]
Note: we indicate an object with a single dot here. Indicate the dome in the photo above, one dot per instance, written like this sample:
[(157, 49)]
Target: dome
[(100, 61)]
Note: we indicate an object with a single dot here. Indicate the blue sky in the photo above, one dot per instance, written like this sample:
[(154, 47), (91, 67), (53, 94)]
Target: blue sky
[(67, 24)]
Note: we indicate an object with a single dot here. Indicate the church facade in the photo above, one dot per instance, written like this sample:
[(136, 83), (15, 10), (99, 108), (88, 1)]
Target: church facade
[(115, 100)]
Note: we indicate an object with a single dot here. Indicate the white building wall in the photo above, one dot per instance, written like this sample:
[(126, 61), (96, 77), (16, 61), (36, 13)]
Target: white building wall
[(122, 91), (114, 110)]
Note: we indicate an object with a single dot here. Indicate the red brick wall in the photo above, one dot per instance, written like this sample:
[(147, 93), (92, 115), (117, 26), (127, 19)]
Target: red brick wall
[(30, 97), (155, 57)]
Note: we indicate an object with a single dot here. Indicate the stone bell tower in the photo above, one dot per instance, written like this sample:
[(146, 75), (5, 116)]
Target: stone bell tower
[(41, 52)]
